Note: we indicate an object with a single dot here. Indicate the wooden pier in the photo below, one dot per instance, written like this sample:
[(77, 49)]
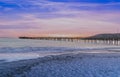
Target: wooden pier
[(54, 38), (108, 41)]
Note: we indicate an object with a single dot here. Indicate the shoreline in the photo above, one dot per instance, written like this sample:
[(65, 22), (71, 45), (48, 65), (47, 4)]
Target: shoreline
[(16, 56)]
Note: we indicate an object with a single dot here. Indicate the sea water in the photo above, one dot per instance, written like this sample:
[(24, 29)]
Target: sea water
[(12, 49)]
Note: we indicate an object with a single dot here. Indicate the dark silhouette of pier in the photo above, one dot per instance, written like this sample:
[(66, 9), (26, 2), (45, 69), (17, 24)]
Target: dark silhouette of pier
[(97, 39), (54, 38)]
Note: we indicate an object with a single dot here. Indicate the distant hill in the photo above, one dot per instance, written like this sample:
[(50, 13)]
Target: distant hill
[(115, 36)]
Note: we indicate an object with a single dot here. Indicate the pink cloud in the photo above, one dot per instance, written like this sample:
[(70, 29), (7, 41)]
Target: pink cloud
[(65, 21)]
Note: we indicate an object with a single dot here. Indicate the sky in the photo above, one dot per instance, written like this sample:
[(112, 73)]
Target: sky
[(58, 17)]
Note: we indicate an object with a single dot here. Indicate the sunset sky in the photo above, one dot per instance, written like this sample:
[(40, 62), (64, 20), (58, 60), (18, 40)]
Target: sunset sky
[(58, 17)]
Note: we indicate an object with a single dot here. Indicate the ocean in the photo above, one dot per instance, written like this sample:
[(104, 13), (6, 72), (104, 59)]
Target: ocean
[(12, 49)]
